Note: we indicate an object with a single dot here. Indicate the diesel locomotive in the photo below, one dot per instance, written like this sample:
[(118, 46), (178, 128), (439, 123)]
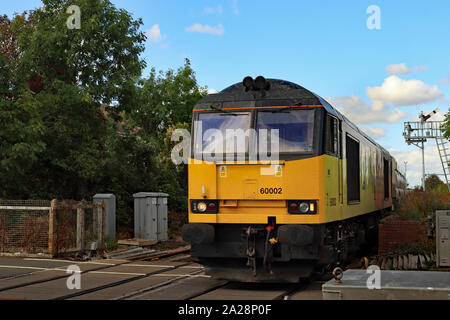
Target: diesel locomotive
[(277, 212)]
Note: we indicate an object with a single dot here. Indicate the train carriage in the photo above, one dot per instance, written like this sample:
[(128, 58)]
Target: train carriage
[(260, 215)]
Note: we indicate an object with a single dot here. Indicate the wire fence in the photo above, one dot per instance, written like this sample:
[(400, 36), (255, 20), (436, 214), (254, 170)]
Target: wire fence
[(24, 225), (41, 226)]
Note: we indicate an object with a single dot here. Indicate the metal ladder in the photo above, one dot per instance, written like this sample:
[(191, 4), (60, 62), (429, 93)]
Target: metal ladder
[(443, 146)]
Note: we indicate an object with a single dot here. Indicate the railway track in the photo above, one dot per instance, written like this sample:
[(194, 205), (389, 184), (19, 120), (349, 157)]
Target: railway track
[(246, 291), (171, 277), (44, 276)]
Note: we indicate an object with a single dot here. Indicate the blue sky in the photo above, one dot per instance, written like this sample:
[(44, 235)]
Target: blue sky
[(379, 78)]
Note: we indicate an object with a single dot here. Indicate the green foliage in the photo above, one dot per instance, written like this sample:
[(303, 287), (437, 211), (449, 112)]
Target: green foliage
[(141, 153), (447, 125), (417, 205), (101, 57), (110, 244), (423, 246), (166, 99), (58, 139), (433, 183), (53, 132)]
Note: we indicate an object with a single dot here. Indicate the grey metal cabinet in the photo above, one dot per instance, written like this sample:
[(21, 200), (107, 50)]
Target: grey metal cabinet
[(150, 216), (110, 212), (442, 238)]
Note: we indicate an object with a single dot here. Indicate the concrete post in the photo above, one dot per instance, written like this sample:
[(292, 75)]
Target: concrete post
[(52, 228), (80, 229), (100, 213)]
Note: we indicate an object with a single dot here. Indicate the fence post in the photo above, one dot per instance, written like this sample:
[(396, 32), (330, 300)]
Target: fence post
[(80, 229), (52, 228), (101, 225)]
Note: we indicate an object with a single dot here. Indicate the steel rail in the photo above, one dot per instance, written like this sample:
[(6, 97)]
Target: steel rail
[(120, 282)]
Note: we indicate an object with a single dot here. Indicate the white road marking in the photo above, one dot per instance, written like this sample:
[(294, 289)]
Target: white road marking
[(114, 272), (23, 267), (148, 265), (72, 262), (161, 266), (180, 275), (119, 273)]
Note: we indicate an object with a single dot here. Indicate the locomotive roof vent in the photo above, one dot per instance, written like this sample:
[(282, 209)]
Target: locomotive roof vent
[(260, 83)]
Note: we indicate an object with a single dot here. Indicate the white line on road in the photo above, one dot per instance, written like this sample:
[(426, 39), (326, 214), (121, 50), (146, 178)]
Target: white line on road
[(161, 266), (180, 275), (69, 261), (23, 267)]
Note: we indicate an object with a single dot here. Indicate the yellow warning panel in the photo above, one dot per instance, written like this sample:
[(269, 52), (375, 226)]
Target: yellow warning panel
[(278, 171), (223, 171)]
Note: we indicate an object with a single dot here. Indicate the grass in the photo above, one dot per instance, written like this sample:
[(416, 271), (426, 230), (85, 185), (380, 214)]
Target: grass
[(110, 243)]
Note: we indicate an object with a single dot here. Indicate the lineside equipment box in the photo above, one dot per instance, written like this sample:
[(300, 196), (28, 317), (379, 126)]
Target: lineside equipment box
[(150, 216), (442, 238)]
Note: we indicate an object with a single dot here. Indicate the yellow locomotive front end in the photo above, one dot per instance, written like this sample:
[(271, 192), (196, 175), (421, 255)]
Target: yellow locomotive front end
[(253, 192), (265, 183)]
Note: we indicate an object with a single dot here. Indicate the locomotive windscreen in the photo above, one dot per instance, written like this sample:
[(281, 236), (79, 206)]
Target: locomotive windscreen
[(211, 132), (229, 134), (296, 128)]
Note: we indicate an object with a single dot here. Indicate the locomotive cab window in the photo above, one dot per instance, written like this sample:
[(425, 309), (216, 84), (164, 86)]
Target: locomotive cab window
[(386, 178), (212, 138), (353, 180), (331, 142), (295, 130)]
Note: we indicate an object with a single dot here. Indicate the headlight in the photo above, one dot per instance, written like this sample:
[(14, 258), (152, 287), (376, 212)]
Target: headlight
[(302, 206), (201, 206), (204, 206)]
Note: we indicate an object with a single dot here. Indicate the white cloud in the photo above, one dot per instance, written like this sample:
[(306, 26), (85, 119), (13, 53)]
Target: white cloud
[(398, 69), (445, 80), (211, 10), (154, 33), (401, 68), (358, 111), (375, 133), (414, 162), (402, 92), (218, 30), (210, 91)]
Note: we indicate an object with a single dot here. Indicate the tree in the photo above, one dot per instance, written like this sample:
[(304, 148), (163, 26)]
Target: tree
[(447, 125), (166, 99), (432, 182), (76, 116), (53, 133), (142, 153)]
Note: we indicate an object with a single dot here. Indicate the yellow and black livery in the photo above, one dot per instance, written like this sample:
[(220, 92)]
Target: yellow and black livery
[(253, 217)]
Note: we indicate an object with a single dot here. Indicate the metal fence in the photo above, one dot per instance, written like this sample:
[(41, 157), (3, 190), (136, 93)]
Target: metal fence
[(24, 225), (41, 226)]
